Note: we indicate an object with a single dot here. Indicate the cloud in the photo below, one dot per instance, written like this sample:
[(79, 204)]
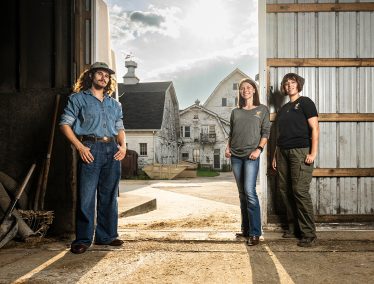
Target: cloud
[(147, 18), (246, 49), (129, 25)]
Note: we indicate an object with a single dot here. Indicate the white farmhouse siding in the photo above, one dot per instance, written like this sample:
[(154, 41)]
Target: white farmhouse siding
[(223, 98), (151, 119), (166, 138), (135, 138), (207, 139)]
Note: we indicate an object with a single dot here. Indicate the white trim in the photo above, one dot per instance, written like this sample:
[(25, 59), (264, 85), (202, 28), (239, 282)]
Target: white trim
[(263, 98), (145, 130)]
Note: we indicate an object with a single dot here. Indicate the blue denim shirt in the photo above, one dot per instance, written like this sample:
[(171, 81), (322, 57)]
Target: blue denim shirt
[(87, 115)]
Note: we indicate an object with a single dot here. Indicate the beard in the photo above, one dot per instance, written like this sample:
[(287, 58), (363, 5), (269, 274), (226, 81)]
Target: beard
[(98, 86)]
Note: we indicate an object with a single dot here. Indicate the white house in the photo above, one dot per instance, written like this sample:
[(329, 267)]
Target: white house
[(204, 136), (205, 128), (224, 97), (151, 118)]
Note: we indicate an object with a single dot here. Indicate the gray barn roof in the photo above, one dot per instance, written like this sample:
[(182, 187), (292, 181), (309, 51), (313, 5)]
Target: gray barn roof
[(143, 104)]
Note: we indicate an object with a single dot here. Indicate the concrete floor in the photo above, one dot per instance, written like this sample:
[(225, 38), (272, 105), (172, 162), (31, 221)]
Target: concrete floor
[(190, 238)]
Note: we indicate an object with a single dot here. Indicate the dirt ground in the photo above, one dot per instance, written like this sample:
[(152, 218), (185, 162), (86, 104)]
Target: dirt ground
[(193, 241)]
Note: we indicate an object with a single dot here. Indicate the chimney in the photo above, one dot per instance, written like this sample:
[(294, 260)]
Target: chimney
[(130, 78)]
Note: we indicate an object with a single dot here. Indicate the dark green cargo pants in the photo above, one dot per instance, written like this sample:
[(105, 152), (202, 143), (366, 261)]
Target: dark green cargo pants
[(294, 183)]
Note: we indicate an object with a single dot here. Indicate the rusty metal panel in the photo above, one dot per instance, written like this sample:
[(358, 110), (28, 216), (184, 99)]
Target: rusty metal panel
[(327, 152), (347, 39), (366, 195), (347, 145), (326, 35), (334, 90), (328, 196), (286, 35), (306, 35), (348, 196), (365, 145), (366, 89), (326, 90), (366, 35), (347, 90), (271, 31)]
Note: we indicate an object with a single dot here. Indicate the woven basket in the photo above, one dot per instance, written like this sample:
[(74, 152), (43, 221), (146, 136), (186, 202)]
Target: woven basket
[(38, 221)]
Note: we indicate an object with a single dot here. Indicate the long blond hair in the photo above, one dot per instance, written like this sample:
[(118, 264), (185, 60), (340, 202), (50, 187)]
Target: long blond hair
[(84, 82)]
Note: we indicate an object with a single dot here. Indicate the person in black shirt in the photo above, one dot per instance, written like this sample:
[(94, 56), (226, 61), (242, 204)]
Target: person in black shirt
[(297, 145)]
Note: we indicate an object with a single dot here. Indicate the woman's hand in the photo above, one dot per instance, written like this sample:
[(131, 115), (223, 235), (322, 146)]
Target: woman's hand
[(227, 153), (274, 163), (255, 154), (310, 159)]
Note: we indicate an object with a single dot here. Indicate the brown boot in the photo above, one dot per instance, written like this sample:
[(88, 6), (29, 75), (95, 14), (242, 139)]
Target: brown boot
[(253, 241)]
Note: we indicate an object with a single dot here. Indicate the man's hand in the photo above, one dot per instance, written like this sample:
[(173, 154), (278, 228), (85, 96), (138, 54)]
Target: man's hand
[(120, 155), (85, 154)]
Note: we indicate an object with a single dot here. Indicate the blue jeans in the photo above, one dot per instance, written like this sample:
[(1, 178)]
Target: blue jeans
[(98, 181), (245, 172)]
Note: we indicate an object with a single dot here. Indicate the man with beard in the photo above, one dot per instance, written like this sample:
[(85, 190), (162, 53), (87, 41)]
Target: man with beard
[(92, 122)]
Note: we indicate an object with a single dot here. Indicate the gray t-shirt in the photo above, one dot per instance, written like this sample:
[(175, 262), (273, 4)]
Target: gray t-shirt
[(247, 127)]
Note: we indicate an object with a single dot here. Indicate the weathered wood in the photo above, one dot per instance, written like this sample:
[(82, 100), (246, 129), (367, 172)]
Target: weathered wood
[(320, 62), (343, 172), (159, 171), (340, 117), (346, 218), (320, 7)]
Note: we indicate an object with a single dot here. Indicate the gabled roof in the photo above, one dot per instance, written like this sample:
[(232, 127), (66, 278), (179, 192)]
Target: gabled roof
[(143, 104), (237, 70), (220, 120)]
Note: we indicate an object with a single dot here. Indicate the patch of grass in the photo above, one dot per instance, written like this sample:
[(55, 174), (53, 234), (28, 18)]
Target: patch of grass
[(141, 176), (206, 173)]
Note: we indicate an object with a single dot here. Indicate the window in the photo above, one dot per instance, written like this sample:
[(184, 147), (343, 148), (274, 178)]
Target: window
[(185, 131), (212, 129), (185, 156), (224, 102), (143, 149), (235, 86)]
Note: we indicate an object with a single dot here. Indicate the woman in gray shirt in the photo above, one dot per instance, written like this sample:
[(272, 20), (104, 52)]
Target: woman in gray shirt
[(249, 133)]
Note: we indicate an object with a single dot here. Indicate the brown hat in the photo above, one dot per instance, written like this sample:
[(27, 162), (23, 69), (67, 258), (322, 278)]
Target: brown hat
[(102, 65), (293, 76)]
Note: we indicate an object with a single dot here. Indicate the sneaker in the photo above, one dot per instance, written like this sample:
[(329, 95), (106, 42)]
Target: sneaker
[(307, 242)]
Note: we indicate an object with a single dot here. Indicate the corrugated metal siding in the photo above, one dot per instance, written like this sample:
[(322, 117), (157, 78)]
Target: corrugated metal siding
[(334, 90)]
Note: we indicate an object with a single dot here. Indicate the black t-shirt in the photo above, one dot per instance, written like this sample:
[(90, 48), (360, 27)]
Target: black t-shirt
[(292, 123)]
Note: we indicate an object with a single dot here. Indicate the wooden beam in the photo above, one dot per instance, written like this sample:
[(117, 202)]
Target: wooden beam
[(328, 218), (343, 172), (320, 62), (337, 172), (340, 117), (321, 7)]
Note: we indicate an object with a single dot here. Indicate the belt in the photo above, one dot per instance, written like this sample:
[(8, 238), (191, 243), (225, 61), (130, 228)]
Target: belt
[(96, 139)]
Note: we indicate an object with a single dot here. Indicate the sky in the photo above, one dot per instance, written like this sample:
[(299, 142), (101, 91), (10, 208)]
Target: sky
[(193, 43)]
